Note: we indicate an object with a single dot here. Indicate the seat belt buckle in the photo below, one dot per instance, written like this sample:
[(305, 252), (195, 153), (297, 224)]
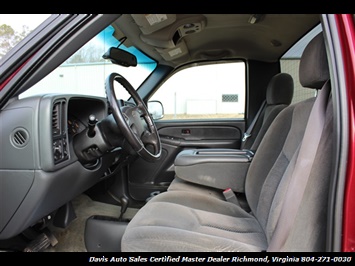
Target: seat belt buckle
[(246, 136), (230, 196)]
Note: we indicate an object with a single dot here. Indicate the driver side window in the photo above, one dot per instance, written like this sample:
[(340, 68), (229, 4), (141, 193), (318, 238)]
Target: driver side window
[(215, 91)]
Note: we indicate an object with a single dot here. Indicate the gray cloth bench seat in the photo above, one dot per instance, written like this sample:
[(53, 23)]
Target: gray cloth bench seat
[(187, 221), (279, 94)]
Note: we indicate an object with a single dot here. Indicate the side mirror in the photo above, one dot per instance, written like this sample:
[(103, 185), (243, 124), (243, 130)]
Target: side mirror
[(156, 109), (120, 57)]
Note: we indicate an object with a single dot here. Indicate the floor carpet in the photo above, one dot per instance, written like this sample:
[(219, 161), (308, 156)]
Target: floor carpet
[(71, 239)]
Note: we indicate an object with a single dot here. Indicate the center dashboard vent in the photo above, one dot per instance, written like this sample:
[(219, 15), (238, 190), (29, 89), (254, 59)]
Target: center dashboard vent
[(56, 118), (59, 132)]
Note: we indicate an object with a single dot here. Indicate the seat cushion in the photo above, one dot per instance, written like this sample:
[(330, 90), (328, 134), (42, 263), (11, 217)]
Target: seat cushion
[(187, 221), (179, 184)]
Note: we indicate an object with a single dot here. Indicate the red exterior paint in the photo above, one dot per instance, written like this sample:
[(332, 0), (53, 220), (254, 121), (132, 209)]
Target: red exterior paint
[(2, 85), (345, 25)]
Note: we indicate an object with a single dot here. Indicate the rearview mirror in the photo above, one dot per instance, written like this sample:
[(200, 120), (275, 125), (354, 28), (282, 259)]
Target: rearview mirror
[(120, 57)]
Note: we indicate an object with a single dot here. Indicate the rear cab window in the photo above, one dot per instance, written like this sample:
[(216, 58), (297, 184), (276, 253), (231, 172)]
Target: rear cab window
[(289, 63)]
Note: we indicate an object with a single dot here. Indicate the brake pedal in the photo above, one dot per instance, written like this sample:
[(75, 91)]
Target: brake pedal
[(41, 242)]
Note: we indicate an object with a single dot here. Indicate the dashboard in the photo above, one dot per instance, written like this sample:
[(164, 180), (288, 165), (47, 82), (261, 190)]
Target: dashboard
[(39, 169)]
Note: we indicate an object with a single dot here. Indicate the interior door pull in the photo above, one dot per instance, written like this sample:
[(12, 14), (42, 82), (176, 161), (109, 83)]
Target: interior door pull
[(186, 131)]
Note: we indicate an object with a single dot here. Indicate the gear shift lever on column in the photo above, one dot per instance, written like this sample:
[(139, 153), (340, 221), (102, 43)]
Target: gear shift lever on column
[(91, 126)]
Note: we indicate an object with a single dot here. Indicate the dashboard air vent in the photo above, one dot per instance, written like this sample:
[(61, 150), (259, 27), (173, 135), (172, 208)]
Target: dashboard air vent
[(19, 137), (59, 132), (56, 118)]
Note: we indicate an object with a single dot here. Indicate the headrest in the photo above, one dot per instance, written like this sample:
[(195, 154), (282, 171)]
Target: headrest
[(314, 70), (280, 89)]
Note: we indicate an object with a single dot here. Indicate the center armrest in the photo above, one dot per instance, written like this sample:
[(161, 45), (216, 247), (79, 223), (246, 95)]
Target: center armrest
[(217, 168)]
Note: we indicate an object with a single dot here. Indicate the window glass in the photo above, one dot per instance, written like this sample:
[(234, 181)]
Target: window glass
[(86, 70), (15, 27), (204, 92), (290, 64)]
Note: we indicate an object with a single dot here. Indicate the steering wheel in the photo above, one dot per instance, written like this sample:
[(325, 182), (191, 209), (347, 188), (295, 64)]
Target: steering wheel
[(135, 122)]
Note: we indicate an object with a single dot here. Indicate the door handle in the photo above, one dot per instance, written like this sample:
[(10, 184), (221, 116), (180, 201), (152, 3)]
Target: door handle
[(186, 131)]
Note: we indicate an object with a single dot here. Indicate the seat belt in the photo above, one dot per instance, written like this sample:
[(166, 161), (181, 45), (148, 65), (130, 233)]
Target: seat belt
[(247, 133), (230, 196), (303, 166)]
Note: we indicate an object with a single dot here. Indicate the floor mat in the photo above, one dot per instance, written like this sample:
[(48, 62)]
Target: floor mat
[(71, 239)]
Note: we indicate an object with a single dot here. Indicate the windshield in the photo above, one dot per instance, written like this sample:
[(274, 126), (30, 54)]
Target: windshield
[(85, 71)]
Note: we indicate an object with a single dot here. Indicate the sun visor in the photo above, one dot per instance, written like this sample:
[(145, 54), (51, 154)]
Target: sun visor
[(168, 35), (149, 23), (171, 54)]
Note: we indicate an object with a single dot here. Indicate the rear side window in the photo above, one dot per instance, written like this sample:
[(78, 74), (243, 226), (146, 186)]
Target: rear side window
[(215, 91), (290, 64)]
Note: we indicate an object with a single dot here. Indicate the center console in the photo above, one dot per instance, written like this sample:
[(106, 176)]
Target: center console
[(217, 168)]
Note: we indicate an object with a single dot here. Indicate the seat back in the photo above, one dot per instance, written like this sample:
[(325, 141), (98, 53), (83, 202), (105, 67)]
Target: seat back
[(275, 162), (279, 95)]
